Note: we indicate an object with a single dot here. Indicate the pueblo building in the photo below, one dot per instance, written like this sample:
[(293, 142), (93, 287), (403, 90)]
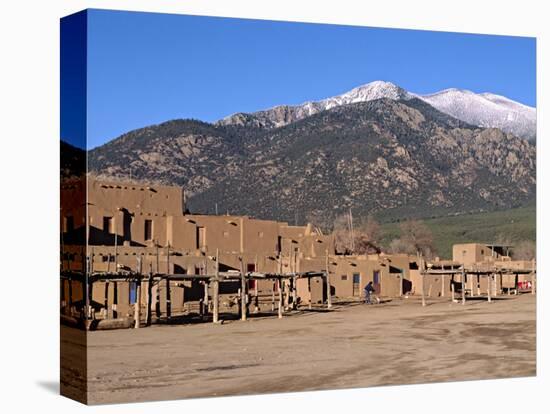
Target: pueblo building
[(131, 227), (126, 228)]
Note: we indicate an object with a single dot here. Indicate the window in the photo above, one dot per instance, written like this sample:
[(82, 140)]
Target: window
[(69, 224), (356, 278), (344, 277), (260, 234), (482, 252), (108, 225), (148, 231), (251, 267), (376, 276)]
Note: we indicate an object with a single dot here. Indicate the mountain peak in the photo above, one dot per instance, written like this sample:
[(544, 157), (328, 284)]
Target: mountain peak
[(484, 110)]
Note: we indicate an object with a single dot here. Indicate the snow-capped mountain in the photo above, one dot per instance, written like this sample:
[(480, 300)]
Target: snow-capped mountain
[(484, 110)]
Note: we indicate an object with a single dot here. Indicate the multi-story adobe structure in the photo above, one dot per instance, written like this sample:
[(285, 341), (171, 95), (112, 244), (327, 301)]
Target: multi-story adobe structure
[(130, 226), (124, 222)]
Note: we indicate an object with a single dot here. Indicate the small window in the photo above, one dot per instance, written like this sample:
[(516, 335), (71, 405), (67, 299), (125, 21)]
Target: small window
[(108, 225), (260, 234), (356, 278), (376, 277), (344, 277), (69, 224), (148, 233), (482, 252)]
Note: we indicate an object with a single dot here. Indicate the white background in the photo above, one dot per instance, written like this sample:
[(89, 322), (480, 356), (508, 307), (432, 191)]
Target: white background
[(29, 158)]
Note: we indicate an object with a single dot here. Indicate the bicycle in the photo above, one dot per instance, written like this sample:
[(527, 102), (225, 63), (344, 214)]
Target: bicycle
[(371, 299)]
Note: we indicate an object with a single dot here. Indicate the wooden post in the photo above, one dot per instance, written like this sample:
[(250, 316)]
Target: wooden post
[(442, 286), (422, 276), (422, 268), (149, 310), (309, 292), (168, 299), (87, 289), (517, 283), (256, 299), (215, 290), (273, 297), (463, 285), (489, 277), (106, 301), (116, 252), (294, 293), (137, 304), (452, 288), (70, 295), (280, 309), (92, 261), (205, 299), (243, 292), (329, 293)]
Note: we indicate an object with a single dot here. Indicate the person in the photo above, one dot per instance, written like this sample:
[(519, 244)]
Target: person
[(368, 290)]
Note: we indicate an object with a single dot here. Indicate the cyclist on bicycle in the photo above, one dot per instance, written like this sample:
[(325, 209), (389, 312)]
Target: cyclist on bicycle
[(368, 290)]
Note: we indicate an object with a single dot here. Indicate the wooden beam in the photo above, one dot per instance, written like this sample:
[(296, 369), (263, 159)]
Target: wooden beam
[(489, 277), (280, 298), (168, 296), (327, 269), (149, 310), (215, 290), (422, 277), (116, 251), (463, 286), (86, 289), (205, 303), (452, 289), (256, 300), (106, 300), (294, 293), (309, 291), (137, 304), (243, 291), (70, 296)]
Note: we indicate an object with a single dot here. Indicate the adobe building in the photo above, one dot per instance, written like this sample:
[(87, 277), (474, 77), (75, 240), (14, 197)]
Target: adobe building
[(146, 229), (131, 226), (472, 253)]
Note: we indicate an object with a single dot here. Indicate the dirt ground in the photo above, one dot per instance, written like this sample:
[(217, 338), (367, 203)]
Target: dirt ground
[(398, 342)]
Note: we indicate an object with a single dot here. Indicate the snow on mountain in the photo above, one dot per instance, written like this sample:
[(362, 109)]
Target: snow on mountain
[(485, 110)]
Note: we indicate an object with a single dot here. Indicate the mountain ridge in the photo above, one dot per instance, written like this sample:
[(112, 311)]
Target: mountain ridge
[(384, 157), (485, 109)]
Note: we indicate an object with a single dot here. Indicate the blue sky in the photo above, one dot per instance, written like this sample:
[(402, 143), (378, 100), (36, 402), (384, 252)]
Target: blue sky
[(145, 68)]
